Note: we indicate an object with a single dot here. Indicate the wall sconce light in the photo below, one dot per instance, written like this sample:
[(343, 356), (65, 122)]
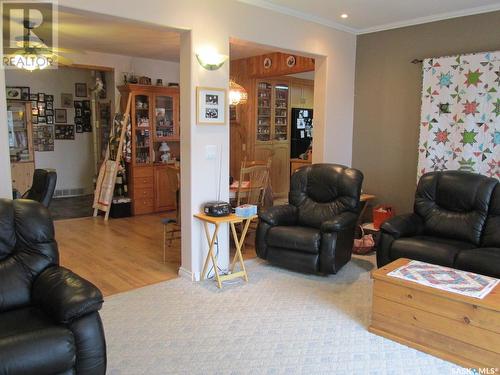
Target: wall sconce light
[(210, 59)]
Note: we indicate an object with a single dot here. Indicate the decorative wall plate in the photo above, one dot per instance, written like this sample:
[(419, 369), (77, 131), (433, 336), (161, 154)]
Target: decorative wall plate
[(290, 61), (267, 63)]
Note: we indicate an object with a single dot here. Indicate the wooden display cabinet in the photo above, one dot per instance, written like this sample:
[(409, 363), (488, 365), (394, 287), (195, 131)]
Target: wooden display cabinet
[(272, 129), (21, 149), (263, 126), (154, 119)]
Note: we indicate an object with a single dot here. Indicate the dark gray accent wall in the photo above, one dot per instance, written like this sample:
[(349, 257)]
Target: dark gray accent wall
[(388, 92)]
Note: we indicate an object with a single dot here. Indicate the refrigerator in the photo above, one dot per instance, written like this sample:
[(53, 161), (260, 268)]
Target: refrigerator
[(301, 131)]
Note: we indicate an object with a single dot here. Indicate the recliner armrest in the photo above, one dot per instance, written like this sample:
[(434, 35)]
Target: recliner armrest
[(340, 222), (279, 215), (403, 225), (65, 296)]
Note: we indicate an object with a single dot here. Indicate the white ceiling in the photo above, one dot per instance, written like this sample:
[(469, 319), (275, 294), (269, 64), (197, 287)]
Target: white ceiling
[(83, 31), (100, 33), (375, 15)]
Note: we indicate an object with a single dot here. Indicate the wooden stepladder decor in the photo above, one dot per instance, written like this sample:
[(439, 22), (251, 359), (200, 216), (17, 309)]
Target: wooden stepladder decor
[(105, 186)]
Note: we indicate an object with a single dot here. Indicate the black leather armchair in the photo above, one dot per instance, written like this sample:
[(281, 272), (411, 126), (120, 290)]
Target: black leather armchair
[(42, 189), (455, 223), (314, 233), (49, 320)]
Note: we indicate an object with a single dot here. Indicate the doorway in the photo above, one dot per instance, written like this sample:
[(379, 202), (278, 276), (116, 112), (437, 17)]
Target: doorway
[(127, 252), (276, 120)]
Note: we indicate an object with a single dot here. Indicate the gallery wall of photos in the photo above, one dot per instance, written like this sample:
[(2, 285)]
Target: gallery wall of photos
[(51, 123)]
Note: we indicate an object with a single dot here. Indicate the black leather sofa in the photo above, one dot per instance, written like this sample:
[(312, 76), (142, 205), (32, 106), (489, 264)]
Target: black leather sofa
[(49, 320), (314, 233), (455, 223)]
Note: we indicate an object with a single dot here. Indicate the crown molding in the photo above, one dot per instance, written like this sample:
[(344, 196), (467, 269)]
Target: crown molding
[(295, 13), (433, 18), (393, 25)]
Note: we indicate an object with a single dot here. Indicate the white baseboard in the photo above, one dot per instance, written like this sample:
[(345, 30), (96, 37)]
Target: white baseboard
[(193, 276)]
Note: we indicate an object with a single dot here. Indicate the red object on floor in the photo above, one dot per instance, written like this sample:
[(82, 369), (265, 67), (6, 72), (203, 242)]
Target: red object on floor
[(381, 213)]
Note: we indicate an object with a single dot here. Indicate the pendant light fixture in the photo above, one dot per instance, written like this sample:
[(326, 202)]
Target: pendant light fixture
[(237, 93)]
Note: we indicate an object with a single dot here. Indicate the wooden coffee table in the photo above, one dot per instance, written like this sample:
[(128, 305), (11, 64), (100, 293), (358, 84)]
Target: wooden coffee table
[(459, 329)]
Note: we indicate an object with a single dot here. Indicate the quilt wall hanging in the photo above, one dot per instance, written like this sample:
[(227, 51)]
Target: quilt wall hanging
[(460, 119)]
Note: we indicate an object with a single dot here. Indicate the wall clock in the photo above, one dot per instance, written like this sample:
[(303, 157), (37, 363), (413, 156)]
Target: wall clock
[(267, 63), (290, 61)]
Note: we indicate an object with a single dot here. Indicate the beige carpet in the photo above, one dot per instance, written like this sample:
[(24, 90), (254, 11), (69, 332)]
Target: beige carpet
[(281, 322)]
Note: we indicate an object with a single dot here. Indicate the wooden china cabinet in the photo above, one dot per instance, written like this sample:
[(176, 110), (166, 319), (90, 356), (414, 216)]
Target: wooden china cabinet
[(155, 119), (272, 126)]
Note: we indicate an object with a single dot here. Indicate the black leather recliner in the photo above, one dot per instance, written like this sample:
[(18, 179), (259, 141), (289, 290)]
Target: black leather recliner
[(49, 320), (455, 223), (314, 233), (42, 189)]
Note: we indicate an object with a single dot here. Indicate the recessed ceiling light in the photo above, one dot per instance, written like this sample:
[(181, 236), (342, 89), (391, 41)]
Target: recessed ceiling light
[(344, 15)]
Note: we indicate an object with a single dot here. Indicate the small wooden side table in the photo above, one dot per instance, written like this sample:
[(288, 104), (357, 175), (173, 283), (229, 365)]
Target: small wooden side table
[(217, 221)]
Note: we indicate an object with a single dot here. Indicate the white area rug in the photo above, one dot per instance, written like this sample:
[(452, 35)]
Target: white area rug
[(281, 322)]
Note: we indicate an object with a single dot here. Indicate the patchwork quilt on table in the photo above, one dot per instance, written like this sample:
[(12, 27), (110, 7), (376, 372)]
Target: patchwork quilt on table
[(444, 278)]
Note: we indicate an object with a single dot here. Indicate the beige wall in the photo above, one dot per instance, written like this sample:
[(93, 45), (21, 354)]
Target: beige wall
[(387, 97)]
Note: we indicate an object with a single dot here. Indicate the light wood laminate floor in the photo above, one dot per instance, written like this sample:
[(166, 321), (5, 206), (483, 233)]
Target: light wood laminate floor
[(121, 254)]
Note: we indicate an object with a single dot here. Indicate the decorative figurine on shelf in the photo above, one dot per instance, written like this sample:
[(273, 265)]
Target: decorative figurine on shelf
[(165, 152)]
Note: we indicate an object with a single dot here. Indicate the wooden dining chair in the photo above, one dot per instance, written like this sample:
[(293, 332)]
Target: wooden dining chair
[(171, 226), (254, 182), (252, 187)]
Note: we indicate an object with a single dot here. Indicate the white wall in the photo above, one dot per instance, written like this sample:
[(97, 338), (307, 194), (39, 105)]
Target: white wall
[(214, 22), (166, 70), (5, 176), (154, 69)]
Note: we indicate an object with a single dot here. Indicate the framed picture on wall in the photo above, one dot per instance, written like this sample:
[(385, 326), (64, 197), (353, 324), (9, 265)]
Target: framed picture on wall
[(41, 97), (81, 90), (64, 132), (13, 93), (50, 119), (210, 106), (25, 93), (33, 97), (50, 105), (61, 116), (66, 100)]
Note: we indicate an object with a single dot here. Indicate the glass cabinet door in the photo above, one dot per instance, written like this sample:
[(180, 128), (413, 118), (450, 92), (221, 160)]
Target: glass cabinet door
[(164, 117), (19, 136), (264, 92), (142, 129), (281, 112)]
